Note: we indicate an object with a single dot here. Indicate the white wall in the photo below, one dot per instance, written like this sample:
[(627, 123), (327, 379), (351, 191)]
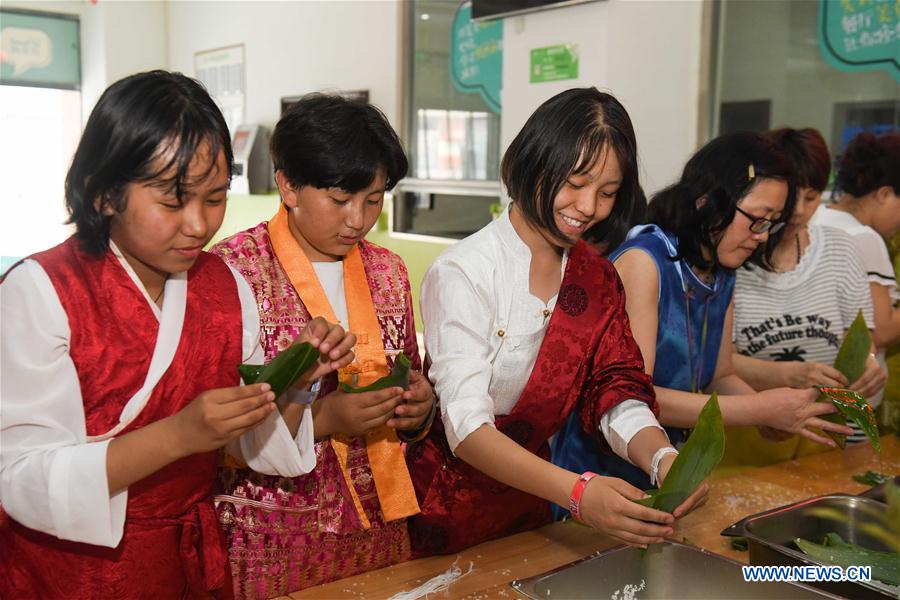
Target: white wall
[(296, 47), (646, 53)]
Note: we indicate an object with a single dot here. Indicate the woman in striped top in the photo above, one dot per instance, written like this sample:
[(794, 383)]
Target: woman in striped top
[(789, 322)]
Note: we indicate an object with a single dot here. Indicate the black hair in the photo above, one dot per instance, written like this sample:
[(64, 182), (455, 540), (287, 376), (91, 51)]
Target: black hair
[(328, 141), (721, 173), (868, 163), (128, 138), (808, 151), (565, 136)]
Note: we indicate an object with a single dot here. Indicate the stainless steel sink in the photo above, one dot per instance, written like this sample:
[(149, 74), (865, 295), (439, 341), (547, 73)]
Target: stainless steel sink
[(667, 571), (771, 535)]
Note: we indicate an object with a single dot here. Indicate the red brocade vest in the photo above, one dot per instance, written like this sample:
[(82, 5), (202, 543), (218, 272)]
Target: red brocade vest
[(589, 358), (172, 546)]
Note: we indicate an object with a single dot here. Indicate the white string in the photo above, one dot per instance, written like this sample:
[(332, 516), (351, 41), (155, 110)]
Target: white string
[(438, 583)]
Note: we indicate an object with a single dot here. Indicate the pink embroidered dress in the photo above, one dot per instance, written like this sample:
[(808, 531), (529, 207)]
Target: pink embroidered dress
[(286, 534)]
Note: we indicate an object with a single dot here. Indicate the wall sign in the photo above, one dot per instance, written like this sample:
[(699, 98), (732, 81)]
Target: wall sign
[(40, 49), (860, 35), (476, 56), (554, 63)]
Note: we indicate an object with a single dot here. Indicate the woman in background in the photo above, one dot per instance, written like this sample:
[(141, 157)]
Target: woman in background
[(868, 186)]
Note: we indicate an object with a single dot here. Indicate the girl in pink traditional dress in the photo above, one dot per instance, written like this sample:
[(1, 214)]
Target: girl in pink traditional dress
[(334, 160), (524, 323), (119, 355)]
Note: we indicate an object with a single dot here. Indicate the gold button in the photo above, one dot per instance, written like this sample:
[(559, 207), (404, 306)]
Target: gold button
[(546, 312), (501, 332)]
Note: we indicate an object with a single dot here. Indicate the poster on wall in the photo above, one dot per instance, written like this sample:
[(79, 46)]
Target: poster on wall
[(554, 63), (221, 71), (40, 50), (476, 56), (860, 35)]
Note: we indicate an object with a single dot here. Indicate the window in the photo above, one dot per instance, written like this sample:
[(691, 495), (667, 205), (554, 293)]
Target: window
[(774, 71), (453, 136), (40, 120)]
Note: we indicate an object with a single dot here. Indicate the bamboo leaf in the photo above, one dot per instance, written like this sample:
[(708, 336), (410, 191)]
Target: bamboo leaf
[(283, 370), (698, 457), (854, 351), (855, 408), (851, 361), (885, 565), (398, 377), (872, 478)]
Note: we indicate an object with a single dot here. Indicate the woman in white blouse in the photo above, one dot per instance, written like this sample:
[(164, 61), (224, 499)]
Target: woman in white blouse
[(868, 180), (524, 323)]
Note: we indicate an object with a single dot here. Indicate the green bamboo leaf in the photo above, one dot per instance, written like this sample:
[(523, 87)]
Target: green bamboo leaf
[(872, 478), (854, 351), (885, 565), (698, 457), (851, 361), (283, 370), (855, 408), (398, 377), (249, 373)]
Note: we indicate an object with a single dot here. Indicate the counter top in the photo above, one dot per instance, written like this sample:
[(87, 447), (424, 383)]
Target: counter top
[(731, 498)]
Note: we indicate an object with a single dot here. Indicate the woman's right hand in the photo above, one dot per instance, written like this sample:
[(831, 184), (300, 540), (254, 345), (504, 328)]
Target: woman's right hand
[(217, 416), (608, 506), (796, 411), (814, 374), (354, 414)]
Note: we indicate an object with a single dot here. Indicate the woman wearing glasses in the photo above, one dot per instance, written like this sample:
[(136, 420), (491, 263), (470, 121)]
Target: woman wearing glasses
[(789, 320), (679, 272)]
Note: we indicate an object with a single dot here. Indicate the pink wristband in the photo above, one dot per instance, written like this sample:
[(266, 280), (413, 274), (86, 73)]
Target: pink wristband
[(577, 492)]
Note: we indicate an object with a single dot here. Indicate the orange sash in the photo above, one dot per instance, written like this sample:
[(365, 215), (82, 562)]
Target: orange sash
[(395, 491)]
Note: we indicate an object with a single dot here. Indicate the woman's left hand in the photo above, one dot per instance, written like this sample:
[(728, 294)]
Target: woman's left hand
[(872, 380), (417, 403), (695, 500)]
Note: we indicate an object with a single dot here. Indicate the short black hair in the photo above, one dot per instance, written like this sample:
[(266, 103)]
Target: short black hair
[(721, 173), (868, 163), (808, 151), (326, 141), (564, 137), (127, 139)]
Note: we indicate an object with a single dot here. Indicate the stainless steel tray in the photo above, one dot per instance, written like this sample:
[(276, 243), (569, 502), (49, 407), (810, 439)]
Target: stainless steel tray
[(669, 570), (770, 537)]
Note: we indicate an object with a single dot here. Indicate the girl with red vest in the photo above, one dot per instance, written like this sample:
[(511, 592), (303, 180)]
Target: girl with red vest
[(119, 354)]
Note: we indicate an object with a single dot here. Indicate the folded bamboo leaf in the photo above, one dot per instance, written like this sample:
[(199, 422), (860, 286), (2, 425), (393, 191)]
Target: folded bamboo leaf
[(855, 408), (398, 377), (854, 351), (249, 373), (741, 544), (872, 478), (283, 370), (851, 362), (885, 565), (698, 457)]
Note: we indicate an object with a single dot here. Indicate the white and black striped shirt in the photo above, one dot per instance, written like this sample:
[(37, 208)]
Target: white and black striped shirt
[(802, 315)]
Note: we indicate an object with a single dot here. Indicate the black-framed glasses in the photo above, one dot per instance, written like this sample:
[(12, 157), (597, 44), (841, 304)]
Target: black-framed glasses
[(761, 224)]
